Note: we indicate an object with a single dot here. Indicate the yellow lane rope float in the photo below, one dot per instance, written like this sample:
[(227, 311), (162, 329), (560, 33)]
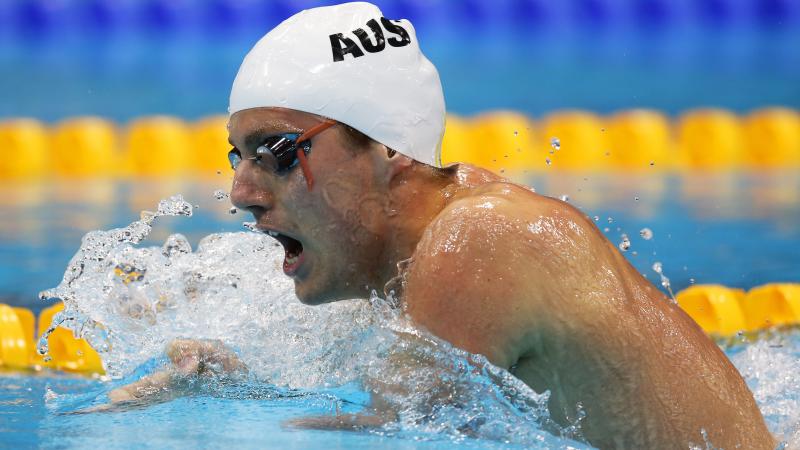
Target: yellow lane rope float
[(633, 140), (721, 311), (65, 352)]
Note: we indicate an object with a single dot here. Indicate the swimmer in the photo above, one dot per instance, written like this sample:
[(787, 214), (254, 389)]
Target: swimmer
[(336, 126)]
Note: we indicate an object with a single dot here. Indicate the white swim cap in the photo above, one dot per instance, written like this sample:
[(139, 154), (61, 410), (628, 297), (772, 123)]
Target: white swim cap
[(350, 64)]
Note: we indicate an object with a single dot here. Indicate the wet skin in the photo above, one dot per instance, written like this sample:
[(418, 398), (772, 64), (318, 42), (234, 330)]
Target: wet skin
[(525, 280)]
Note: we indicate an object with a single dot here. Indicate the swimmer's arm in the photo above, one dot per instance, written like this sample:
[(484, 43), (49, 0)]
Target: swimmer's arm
[(189, 358), (392, 380), (342, 422), (376, 415)]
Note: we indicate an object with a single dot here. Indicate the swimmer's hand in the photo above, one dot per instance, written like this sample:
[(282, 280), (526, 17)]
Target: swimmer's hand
[(189, 358)]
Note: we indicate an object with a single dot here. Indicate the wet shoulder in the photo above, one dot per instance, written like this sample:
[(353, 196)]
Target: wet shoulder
[(503, 218), (514, 201)]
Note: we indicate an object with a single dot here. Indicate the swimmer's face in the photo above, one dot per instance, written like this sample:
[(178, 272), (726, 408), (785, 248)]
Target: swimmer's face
[(332, 234)]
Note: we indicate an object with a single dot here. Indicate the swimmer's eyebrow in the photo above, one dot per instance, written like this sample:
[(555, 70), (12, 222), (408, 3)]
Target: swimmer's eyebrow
[(268, 128)]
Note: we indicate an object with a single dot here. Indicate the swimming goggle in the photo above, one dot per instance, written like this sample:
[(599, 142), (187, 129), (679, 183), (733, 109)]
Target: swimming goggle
[(283, 149)]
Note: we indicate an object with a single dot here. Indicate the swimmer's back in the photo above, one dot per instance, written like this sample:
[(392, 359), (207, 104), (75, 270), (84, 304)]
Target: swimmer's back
[(531, 283)]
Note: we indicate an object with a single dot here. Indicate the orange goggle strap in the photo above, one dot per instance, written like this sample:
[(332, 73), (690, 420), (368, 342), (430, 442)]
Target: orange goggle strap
[(301, 154)]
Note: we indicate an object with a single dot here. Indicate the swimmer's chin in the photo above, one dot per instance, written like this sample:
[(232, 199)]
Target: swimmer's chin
[(309, 296)]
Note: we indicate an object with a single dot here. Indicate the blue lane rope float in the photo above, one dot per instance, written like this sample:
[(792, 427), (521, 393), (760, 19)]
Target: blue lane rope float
[(31, 17)]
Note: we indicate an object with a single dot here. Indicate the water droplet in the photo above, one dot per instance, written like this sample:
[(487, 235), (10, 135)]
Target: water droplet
[(691, 281), (220, 195), (176, 244), (250, 226), (652, 163), (219, 172), (602, 130), (664, 281), (608, 153), (555, 143), (232, 211), (547, 160), (596, 218), (174, 206), (564, 198), (625, 244), (610, 220), (606, 230), (646, 233), (42, 346), (516, 133), (48, 358), (636, 199)]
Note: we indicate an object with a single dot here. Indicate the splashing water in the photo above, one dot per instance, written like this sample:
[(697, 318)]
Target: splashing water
[(625, 243), (130, 302), (555, 144), (220, 195), (90, 259), (657, 268), (770, 367)]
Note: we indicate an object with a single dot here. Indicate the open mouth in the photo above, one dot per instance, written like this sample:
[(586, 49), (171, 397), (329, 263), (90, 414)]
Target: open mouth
[(294, 251)]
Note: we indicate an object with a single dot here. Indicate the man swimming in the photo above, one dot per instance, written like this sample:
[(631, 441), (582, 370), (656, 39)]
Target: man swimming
[(336, 125)]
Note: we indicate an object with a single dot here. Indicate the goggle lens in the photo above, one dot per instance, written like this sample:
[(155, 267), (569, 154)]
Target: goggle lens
[(281, 151)]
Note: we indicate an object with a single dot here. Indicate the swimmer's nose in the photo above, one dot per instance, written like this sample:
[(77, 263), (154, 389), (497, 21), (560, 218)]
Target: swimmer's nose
[(249, 191)]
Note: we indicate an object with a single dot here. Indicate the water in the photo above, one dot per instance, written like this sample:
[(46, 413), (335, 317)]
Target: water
[(737, 230), (535, 69), (252, 416), (132, 299)]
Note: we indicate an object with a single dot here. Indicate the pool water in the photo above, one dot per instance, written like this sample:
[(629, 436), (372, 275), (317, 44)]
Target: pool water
[(33, 406), (738, 230)]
